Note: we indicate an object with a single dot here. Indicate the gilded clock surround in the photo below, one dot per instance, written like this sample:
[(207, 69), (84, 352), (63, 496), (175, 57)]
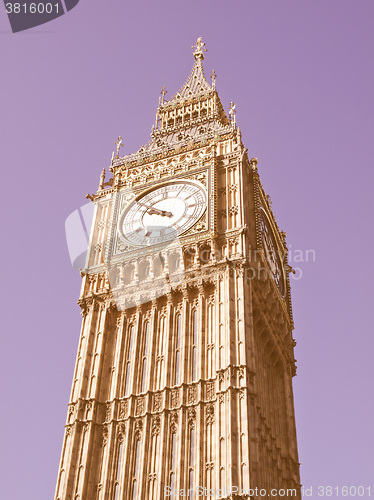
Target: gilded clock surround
[(194, 385)]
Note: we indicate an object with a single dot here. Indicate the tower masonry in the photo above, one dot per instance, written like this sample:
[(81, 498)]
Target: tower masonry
[(183, 377)]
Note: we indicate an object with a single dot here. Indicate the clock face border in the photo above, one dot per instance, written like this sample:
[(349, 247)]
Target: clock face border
[(142, 194), (281, 282)]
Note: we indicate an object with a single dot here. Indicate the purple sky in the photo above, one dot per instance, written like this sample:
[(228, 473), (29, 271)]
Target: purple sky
[(302, 77)]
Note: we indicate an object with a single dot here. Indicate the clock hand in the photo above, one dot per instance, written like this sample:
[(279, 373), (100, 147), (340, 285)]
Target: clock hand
[(156, 211), (163, 213)]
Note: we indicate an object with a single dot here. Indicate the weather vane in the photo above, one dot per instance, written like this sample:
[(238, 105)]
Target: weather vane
[(198, 53)]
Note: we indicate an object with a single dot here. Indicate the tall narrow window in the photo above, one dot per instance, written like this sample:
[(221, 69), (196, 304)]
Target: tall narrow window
[(190, 485), (118, 473), (145, 358), (160, 350), (172, 482), (136, 471), (178, 326), (192, 447), (134, 489), (173, 460), (137, 458), (209, 326), (194, 345), (191, 463), (173, 451), (129, 360), (127, 383)]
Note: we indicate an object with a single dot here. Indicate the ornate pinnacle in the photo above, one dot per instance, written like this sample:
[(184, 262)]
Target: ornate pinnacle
[(232, 112), (199, 48), (214, 76), (102, 179), (119, 143), (162, 96)]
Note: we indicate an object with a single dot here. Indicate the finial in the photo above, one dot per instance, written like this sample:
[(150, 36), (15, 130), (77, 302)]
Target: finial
[(253, 163), (232, 112), (198, 53), (119, 143), (213, 76), (102, 179), (162, 96)]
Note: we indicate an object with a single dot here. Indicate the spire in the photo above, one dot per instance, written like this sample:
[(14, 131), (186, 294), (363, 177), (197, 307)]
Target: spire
[(193, 115), (196, 83)]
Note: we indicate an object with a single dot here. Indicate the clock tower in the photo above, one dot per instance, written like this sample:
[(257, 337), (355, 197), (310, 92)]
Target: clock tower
[(183, 380)]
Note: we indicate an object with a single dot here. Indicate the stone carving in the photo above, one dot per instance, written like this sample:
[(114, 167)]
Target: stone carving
[(239, 271), (156, 426), (122, 409), (163, 312), (200, 177), (209, 414), (210, 391), (85, 307), (108, 412), (174, 422), (210, 300), (139, 406), (105, 436), (140, 171), (191, 415), (233, 210), (174, 398), (121, 246), (138, 429), (157, 402), (195, 302), (179, 307), (192, 395), (121, 432), (200, 226)]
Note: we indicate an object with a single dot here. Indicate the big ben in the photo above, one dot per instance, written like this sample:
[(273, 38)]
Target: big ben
[(183, 379)]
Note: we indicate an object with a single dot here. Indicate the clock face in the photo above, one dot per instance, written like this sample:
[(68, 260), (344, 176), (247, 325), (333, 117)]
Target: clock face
[(272, 253), (162, 214)]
